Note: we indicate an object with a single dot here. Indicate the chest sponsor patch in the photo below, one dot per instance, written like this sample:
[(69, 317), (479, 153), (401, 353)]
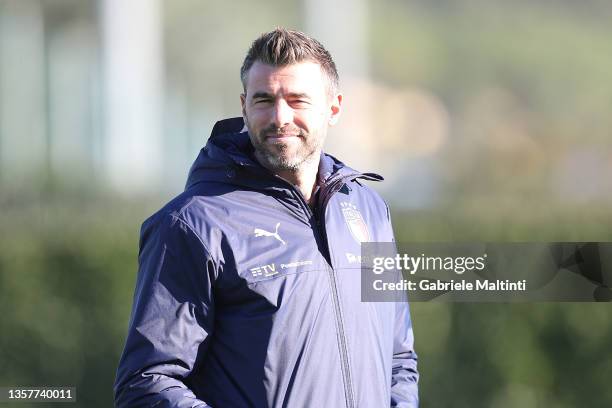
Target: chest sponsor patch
[(295, 264), (264, 271), (355, 222)]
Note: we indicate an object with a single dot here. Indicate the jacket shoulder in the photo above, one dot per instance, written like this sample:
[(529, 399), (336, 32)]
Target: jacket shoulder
[(201, 210), (375, 201), (192, 212)]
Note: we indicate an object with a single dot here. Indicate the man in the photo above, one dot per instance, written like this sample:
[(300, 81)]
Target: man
[(248, 291)]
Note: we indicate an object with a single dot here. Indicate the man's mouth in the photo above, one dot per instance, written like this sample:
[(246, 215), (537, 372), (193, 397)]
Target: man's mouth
[(283, 136), (280, 136)]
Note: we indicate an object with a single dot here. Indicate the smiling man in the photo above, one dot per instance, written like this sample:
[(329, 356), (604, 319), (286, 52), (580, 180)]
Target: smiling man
[(248, 290), (288, 107)]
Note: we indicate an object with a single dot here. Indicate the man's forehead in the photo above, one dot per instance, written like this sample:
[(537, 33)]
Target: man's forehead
[(303, 74)]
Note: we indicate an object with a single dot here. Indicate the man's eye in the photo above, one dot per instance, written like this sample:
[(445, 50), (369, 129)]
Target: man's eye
[(262, 101), (300, 102)]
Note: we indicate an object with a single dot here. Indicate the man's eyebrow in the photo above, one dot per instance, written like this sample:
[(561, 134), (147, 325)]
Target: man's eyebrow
[(266, 95), (300, 95), (262, 95)]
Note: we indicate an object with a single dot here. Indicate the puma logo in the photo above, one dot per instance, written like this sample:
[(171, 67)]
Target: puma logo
[(263, 233)]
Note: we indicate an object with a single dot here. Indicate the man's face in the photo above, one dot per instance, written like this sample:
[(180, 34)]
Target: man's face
[(287, 111)]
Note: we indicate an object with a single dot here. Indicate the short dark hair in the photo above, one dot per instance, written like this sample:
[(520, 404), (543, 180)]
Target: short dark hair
[(283, 47)]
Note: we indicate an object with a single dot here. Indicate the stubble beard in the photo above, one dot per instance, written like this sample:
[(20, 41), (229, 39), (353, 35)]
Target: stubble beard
[(282, 156)]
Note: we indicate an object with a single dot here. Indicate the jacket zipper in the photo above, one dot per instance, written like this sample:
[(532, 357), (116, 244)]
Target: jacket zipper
[(346, 372), (319, 221)]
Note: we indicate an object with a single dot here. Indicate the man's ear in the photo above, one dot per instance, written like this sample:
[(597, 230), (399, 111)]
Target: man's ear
[(243, 105), (336, 109)]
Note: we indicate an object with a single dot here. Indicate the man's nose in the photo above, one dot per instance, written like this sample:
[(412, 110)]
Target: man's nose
[(283, 114)]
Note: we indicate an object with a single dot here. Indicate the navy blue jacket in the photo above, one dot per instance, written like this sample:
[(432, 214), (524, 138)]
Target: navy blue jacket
[(247, 297)]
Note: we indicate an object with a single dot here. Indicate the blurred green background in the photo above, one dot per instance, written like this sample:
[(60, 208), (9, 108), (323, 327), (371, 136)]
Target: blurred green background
[(490, 120)]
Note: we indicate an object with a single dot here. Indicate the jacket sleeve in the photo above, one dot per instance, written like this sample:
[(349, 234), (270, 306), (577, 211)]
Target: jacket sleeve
[(404, 375), (171, 320)]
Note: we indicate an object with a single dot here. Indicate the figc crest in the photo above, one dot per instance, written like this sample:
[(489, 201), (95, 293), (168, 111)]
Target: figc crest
[(355, 222)]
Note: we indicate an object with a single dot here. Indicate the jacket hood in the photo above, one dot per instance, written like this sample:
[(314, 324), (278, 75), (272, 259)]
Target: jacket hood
[(228, 158)]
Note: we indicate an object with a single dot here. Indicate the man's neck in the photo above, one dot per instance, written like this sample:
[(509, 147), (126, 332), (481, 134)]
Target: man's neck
[(304, 178), (305, 181)]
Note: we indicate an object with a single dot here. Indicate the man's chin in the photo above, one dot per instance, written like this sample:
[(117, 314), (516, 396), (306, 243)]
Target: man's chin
[(281, 157), (282, 163), (278, 161)]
